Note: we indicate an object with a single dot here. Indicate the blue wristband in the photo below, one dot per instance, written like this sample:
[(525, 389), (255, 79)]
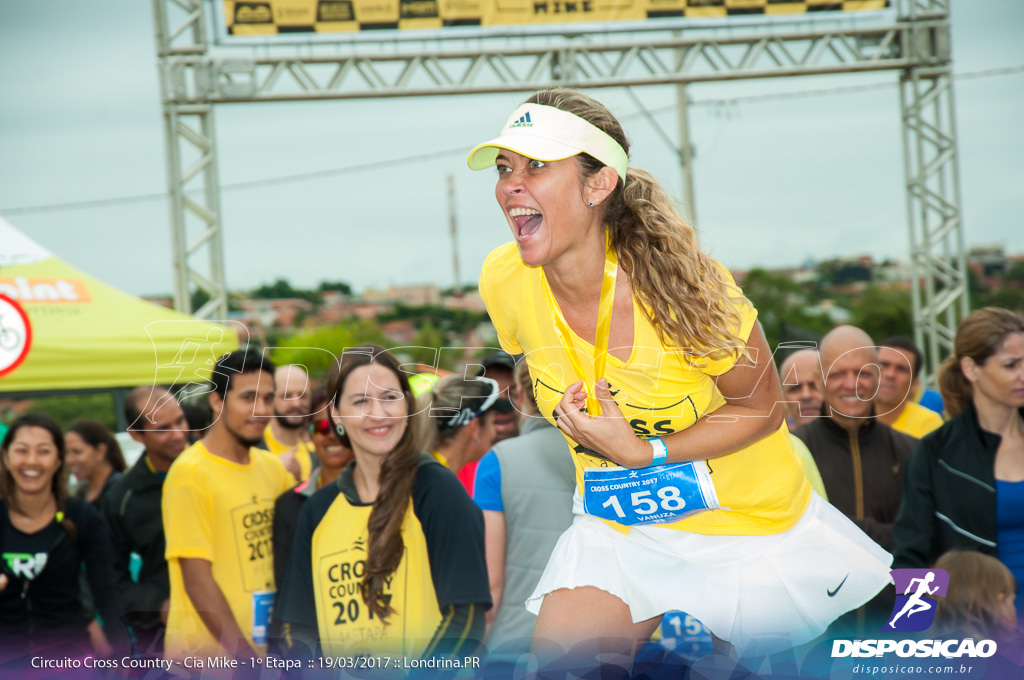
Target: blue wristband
[(660, 451)]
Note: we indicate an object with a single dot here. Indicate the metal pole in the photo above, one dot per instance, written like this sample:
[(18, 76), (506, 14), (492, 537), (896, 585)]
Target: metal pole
[(916, 264), (965, 299), (686, 152), (186, 91), (454, 230), (211, 184), (939, 287), (176, 204)]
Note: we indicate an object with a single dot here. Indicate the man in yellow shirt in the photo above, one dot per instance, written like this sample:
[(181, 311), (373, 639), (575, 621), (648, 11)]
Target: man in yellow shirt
[(218, 513), (900, 361), (284, 434)]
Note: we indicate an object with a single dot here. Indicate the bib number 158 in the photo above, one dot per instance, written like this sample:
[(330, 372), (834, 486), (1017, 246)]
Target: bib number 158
[(642, 503)]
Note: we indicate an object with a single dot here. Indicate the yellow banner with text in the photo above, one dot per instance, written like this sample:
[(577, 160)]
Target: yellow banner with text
[(275, 17)]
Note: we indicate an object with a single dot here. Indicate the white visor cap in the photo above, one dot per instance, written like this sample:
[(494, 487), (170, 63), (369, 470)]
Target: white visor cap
[(545, 133)]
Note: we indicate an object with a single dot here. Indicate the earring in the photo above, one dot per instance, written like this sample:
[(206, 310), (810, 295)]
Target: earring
[(340, 429), (591, 204)]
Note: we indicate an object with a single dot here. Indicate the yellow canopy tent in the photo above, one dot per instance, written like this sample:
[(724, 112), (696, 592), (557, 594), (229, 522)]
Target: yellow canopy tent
[(62, 330)]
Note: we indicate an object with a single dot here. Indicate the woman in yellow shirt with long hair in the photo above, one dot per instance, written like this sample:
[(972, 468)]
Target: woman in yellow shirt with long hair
[(389, 558), (650, 360)]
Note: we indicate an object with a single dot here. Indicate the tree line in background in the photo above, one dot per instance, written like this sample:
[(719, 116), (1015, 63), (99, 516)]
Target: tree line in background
[(790, 311), (278, 290), (436, 327)]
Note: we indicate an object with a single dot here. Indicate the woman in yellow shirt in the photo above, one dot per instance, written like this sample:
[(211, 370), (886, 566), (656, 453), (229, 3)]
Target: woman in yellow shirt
[(649, 359), (389, 558)]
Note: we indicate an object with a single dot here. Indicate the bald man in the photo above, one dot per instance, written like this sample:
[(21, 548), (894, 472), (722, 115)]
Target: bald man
[(860, 458), (800, 375), (286, 436)]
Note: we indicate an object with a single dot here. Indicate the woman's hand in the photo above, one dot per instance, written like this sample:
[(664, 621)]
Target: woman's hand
[(609, 434)]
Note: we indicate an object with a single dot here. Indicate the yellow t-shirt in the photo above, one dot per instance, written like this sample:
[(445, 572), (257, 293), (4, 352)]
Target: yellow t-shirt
[(223, 512), (345, 624), (916, 420), (302, 452), (442, 567), (658, 391)]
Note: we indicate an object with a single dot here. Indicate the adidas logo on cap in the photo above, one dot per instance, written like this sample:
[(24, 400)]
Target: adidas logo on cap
[(522, 122)]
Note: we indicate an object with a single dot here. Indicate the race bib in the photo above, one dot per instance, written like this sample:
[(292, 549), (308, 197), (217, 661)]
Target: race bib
[(262, 607), (685, 635), (656, 495)]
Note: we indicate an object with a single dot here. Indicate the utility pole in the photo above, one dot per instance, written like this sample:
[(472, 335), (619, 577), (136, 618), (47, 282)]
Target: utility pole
[(686, 151), (685, 148), (454, 229)]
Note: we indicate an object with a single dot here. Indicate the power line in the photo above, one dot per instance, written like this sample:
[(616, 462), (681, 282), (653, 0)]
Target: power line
[(236, 186), (377, 165), (1009, 70), (95, 203), (333, 172)]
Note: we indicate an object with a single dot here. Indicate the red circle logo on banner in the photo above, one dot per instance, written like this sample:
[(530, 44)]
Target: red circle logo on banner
[(15, 335)]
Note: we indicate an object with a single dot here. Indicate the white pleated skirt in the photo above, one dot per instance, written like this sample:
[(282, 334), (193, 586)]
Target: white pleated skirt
[(759, 593)]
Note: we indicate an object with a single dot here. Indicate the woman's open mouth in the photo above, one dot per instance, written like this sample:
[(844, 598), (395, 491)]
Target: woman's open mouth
[(527, 221)]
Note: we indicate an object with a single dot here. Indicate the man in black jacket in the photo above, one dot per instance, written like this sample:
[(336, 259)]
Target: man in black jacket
[(132, 511), (861, 459)]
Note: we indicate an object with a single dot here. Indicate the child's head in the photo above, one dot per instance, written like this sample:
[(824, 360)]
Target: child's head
[(981, 595)]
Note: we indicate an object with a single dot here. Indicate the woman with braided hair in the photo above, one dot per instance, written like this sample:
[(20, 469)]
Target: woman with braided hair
[(390, 557), (648, 357)]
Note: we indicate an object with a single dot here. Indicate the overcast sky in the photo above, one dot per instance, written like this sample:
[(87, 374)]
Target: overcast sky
[(777, 181)]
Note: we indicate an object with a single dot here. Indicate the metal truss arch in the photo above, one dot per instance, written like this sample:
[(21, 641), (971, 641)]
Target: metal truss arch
[(914, 41), (574, 61)]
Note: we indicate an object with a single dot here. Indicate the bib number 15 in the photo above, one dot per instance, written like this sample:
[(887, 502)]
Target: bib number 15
[(670, 500)]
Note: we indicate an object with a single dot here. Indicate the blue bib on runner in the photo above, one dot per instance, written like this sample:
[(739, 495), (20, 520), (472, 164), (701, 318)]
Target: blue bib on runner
[(685, 635), (657, 495), (262, 608)]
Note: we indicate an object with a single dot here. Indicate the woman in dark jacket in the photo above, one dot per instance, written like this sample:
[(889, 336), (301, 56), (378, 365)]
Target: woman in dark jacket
[(45, 538), (95, 459), (964, 484)]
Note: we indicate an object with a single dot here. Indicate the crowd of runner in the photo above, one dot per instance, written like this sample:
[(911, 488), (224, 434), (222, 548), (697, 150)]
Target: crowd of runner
[(118, 559), (377, 514)]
